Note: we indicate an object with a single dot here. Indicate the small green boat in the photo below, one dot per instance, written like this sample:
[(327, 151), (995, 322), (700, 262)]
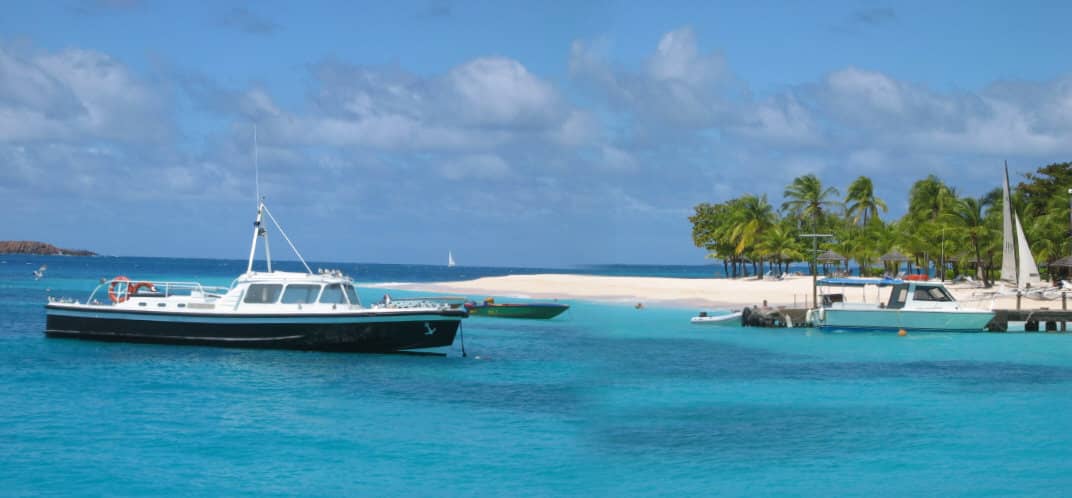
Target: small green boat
[(516, 310)]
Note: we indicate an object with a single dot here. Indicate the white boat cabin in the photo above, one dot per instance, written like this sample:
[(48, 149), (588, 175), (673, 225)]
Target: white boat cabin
[(253, 292)]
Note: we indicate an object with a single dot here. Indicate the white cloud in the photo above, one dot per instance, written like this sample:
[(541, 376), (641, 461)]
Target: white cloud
[(781, 120), (76, 95), (874, 107), (497, 91), (680, 86), (1005, 130), (677, 58), (872, 90), (477, 107)]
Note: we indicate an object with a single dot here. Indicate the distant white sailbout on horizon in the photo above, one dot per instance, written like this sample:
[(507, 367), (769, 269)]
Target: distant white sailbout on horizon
[(1017, 264), (450, 260)]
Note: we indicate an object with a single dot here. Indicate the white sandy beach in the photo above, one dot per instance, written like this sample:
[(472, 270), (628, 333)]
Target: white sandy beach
[(794, 291)]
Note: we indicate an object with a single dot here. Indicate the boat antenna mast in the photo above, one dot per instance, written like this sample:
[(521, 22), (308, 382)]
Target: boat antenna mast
[(256, 168), (258, 226)]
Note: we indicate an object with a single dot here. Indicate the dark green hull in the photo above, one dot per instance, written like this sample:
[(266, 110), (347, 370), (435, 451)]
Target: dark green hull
[(534, 310)]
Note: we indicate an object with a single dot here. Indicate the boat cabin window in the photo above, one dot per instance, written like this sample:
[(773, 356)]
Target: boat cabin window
[(333, 294), (898, 297), (829, 299), (931, 294), (339, 294), (301, 294), (263, 293)]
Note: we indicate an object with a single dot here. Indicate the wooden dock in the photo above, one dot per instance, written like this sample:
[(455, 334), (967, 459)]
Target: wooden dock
[(1039, 320)]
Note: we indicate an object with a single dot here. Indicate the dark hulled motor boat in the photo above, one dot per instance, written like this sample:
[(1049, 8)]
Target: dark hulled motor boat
[(516, 310), (273, 309)]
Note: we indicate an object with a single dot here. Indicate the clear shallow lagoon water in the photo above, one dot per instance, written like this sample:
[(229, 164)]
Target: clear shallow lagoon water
[(604, 400)]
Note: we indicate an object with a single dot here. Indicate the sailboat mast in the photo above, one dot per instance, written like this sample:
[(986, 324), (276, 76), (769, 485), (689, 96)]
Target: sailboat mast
[(1009, 263)]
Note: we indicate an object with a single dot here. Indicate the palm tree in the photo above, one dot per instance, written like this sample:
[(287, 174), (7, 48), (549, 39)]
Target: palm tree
[(860, 202), (862, 244), (929, 198), (1048, 231), (969, 215), (751, 217), (806, 199), (929, 201), (781, 245)]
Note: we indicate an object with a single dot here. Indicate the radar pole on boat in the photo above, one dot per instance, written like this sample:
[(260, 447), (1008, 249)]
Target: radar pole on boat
[(258, 229), (256, 169)]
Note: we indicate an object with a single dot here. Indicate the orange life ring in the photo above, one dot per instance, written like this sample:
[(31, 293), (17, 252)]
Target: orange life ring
[(118, 297), (134, 287)]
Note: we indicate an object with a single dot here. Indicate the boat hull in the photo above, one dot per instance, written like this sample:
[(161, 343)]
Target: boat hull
[(727, 319), (894, 320), (533, 311), (351, 332)]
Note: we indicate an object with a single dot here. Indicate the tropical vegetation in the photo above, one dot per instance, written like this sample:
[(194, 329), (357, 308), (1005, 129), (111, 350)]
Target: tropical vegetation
[(940, 231)]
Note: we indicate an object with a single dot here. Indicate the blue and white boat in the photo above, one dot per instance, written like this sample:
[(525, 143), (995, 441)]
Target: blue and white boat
[(912, 306), (261, 309)]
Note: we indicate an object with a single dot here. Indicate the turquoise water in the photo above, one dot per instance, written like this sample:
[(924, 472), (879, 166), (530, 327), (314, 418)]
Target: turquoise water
[(604, 400)]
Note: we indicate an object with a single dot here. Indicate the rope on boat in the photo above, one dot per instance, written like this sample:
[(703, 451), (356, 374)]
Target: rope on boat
[(284, 234)]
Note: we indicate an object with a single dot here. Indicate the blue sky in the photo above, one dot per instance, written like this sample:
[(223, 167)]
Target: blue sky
[(543, 133)]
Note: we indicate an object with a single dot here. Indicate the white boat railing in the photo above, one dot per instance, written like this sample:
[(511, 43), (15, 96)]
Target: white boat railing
[(435, 302), (121, 288)]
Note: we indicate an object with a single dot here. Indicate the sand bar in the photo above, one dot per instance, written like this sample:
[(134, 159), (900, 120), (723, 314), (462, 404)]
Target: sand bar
[(685, 292)]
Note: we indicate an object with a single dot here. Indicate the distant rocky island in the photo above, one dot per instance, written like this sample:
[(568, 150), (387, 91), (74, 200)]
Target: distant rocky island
[(39, 248)]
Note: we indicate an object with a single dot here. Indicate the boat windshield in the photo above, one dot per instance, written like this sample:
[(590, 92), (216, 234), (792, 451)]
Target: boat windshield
[(351, 294), (931, 294), (300, 294), (898, 297), (333, 295), (263, 293), (339, 294)]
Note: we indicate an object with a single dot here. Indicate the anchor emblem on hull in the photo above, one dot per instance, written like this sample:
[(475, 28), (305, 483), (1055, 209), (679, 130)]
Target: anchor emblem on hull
[(429, 330)]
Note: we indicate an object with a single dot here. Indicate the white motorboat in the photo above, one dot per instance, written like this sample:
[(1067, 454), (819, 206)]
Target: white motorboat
[(913, 306), (261, 309), (731, 318)]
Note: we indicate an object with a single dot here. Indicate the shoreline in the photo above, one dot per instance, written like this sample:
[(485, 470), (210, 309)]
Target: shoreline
[(670, 292)]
